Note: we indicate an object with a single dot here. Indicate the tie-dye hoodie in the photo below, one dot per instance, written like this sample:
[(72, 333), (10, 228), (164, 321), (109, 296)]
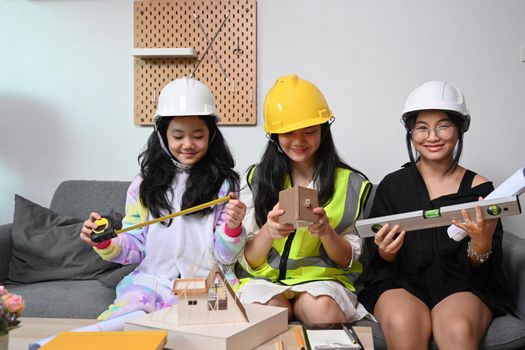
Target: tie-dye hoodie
[(187, 248)]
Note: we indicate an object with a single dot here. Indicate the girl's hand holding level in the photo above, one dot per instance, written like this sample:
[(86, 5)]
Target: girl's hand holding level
[(387, 242), (274, 229), (322, 226), (88, 227), (480, 232), (235, 211)]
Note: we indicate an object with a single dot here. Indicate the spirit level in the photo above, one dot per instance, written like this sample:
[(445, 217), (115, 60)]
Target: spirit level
[(422, 219)]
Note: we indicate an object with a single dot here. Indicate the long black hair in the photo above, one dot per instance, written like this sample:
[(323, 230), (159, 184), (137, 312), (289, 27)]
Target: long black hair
[(205, 178), (459, 123), (275, 166)]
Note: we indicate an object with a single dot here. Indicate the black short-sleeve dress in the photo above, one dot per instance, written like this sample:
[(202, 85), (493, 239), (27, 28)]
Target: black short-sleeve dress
[(430, 265)]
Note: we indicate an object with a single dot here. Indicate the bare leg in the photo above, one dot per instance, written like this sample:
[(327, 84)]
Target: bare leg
[(281, 301), (315, 310), (404, 319), (459, 321)]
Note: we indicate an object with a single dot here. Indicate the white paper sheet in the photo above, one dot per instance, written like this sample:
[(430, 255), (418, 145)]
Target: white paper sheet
[(111, 325), (329, 339), (513, 186)]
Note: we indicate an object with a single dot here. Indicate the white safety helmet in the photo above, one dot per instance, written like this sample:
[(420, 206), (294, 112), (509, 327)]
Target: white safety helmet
[(185, 97), (438, 95)]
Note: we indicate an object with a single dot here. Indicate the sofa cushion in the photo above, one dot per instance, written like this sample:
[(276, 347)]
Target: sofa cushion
[(5, 250), (64, 299), (46, 246), (505, 332), (78, 198)]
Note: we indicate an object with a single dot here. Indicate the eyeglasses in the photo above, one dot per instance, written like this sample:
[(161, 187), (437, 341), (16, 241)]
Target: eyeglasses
[(422, 133)]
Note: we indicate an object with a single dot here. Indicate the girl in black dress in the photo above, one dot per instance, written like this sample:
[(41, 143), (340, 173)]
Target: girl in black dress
[(422, 283)]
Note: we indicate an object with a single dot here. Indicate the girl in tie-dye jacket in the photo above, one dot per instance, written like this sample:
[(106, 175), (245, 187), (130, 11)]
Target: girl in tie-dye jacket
[(186, 163)]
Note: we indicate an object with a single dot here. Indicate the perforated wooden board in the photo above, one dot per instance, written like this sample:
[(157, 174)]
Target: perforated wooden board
[(171, 23)]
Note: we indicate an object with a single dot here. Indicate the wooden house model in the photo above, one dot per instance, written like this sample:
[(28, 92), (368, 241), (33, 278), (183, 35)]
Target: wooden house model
[(209, 316), (298, 203), (208, 300)]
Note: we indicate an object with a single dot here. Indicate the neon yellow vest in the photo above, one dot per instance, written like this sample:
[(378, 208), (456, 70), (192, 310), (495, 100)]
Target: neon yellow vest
[(300, 257)]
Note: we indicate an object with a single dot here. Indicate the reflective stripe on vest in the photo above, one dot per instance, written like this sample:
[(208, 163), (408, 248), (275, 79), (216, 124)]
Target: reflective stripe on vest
[(307, 259)]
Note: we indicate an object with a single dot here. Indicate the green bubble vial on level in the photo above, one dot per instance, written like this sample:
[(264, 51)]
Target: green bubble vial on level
[(494, 210), (376, 227), (432, 213)]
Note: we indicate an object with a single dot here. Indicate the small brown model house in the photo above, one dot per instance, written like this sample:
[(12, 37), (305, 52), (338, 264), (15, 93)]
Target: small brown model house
[(298, 203), (207, 300)]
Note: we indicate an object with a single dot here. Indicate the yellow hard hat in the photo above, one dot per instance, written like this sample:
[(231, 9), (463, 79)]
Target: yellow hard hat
[(294, 103)]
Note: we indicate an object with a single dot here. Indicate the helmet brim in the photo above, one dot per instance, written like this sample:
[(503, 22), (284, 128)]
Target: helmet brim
[(296, 126), (215, 116)]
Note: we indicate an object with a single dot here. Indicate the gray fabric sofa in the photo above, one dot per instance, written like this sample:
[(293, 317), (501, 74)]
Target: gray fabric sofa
[(68, 297)]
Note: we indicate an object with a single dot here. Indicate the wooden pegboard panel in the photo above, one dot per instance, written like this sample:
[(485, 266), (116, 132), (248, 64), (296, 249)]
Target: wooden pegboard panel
[(171, 23)]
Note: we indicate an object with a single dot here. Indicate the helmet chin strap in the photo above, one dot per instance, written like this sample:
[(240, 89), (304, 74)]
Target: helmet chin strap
[(212, 137), (275, 143), (180, 165), (173, 159)]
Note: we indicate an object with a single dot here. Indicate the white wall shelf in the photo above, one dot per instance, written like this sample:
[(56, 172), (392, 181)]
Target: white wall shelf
[(180, 52)]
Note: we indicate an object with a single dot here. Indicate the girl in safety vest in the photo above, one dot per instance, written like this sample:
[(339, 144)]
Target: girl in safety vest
[(186, 163), (307, 270), (423, 283)]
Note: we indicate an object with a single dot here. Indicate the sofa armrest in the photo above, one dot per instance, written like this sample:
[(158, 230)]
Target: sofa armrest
[(513, 262), (5, 250)]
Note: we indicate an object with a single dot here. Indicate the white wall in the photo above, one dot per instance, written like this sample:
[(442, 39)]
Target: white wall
[(66, 83)]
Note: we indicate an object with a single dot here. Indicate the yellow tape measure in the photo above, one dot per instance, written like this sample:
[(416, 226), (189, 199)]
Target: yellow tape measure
[(108, 228)]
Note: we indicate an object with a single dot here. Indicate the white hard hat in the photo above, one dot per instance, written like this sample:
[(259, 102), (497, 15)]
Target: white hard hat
[(185, 97), (438, 95)]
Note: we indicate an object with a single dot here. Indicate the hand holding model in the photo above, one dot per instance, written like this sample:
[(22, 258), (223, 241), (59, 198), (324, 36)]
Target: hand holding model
[(275, 230)]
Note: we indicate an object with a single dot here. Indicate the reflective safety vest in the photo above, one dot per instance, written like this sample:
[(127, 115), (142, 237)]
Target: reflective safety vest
[(300, 257)]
